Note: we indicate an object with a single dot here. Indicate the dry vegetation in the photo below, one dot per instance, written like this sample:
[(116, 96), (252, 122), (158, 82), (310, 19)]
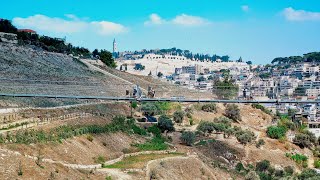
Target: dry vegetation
[(213, 154)]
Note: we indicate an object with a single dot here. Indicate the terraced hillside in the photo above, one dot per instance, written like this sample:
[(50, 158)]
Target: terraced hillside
[(30, 70)]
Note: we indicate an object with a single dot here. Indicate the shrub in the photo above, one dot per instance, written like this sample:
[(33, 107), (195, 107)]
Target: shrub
[(209, 107), (260, 143), (261, 107), (317, 163), (156, 144), (263, 166), (308, 173), (137, 130), (190, 121), (299, 159), (245, 137), (154, 130), (223, 120), (178, 116), (302, 140), (209, 127), (233, 112), (89, 137), (188, 137), (206, 127), (312, 137), (252, 176), (264, 176), (165, 124), (149, 109), (279, 173), (219, 127), (239, 167), (100, 159), (228, 132), (288, 170), (276, 132)]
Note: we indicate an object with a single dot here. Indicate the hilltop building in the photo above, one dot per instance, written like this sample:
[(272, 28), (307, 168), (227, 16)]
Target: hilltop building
[(27, 31), (115, 49)]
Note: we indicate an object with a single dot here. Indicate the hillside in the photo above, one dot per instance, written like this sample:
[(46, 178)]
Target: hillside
[(27, 69), (76, 155)]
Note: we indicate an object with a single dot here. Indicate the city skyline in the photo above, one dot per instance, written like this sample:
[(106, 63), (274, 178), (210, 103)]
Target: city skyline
[(256, 31)]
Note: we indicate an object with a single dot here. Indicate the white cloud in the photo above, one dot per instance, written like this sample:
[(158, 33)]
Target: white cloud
[(183, 19), (300, 15), (154, 19), (187, 20), (72, 25), (108, 28), (245, 8)]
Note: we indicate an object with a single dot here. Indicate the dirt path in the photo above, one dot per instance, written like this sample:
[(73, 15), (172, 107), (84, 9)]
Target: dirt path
[(95, 68), (116, 173), (35, 122), (91, 166)]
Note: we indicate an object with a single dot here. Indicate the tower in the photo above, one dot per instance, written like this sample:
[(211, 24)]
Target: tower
[(114, 46)]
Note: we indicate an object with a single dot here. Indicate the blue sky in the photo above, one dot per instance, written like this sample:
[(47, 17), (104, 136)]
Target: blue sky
[(256, 30)]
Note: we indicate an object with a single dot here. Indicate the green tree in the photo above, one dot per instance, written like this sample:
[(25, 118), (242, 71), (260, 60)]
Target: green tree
[(303, 140), (245, 137), (178, 116), (212, 107), (263, 166), (233, 112), (205, 127), (188, 138), (7, 27), (225, 89), (106, 58), (276, 132), (308, 173), (249, 62), (95, 53), (149, 109), (165, 124)]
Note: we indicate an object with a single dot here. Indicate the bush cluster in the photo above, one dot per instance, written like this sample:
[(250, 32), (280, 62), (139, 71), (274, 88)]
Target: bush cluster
[(233, 112), (262, 108), (119, 123), (209, 127), (165, 124), (55, 44), (209, 107), (156, 143), (188, 138), (223, 124), (178, 116), (158, 108), (244, 136), (276, 132), (305, 139), (298, 158), (264, 170)]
